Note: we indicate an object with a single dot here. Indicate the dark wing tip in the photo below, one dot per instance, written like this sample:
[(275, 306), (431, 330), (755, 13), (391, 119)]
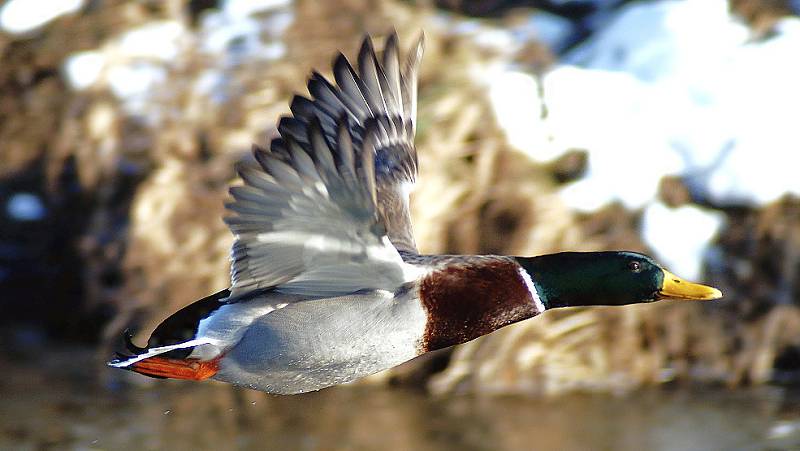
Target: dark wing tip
[(366, 44), (341, 64)]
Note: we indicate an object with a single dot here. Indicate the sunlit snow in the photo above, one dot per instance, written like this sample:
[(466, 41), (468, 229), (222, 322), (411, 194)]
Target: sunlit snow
[(680, 236), (156, 40), (243, 8), (683, 78), (671, 87), (83, 69), (134, 80), (517, 106), (22, 16)]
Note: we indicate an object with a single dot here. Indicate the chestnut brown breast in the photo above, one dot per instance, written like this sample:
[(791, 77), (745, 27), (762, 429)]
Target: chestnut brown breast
[(464, 301)]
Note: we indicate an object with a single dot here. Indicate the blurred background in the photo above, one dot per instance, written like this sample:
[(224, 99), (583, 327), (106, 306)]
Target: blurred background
[(668, 127)]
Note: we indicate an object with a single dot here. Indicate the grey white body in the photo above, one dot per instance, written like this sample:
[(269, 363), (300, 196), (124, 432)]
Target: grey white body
[(314, 344)]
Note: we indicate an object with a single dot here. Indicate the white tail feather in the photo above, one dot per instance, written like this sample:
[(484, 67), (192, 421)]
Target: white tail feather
[(152, 352)]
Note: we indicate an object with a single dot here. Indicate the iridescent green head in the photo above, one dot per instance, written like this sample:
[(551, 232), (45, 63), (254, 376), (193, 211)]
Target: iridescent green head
[(571, 279)]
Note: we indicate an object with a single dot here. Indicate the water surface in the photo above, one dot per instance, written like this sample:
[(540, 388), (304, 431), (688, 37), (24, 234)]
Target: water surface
[(57, 403)]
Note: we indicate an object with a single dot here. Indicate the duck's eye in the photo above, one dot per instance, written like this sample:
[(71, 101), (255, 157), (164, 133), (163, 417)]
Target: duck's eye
[(635, 266)]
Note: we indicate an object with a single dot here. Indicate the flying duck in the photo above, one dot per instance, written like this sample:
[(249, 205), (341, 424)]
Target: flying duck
[(327, 285)]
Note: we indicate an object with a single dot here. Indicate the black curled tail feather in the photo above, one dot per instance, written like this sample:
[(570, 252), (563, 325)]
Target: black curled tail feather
[(179, 327), (127, 336)]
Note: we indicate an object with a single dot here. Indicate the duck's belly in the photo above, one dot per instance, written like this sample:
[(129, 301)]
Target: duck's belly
[(311, 345)]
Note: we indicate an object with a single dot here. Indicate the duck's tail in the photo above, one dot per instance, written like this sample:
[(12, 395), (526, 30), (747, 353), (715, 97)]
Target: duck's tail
[(169, 353), (156, 362)]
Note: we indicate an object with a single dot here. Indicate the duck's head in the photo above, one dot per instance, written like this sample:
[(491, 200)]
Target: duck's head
[(570, 279)]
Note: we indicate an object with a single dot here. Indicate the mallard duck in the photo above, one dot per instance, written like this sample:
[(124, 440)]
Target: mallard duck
[(327, 285)]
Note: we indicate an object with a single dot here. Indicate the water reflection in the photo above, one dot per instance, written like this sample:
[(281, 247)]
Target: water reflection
[(40, 411)]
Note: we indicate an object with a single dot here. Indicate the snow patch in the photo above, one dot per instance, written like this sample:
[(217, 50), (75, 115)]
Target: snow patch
[(135, 80), (680, 236), (83, 69), (678, 87), (517, 106), (156, 40), (22, 16), (244, 8)]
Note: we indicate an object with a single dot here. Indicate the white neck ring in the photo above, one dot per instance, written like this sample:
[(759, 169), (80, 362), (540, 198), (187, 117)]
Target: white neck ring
[(537, 301)]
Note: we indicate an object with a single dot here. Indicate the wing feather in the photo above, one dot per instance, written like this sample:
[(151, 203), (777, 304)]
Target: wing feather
[(368, 70), (325, 210), (302, 219)]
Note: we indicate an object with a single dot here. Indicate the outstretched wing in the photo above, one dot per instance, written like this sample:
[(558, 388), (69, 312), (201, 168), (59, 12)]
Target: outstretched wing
[(381, 95), (306, 220)]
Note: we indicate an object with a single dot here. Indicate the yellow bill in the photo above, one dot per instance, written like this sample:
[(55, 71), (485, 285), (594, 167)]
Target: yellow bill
[(676, 288)]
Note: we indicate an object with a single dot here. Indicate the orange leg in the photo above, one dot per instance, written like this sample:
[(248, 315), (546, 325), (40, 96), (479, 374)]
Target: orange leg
[(195, 370)]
